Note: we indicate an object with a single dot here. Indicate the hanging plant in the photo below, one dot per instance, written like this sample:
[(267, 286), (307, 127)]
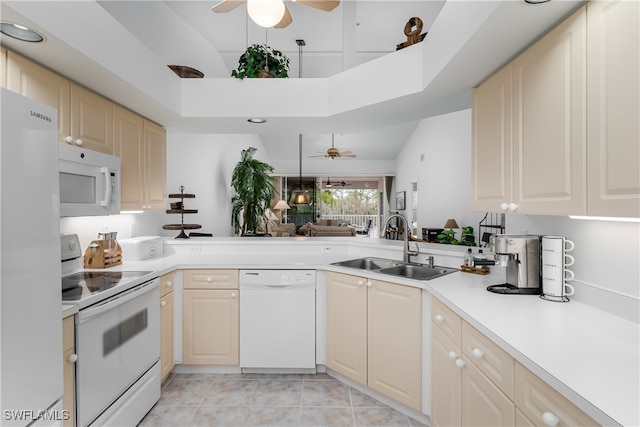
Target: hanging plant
[(254, 190), (262, 61)]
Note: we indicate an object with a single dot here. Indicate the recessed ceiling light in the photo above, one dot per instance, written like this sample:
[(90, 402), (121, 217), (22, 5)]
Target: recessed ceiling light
[(20, 32), (257, 120)]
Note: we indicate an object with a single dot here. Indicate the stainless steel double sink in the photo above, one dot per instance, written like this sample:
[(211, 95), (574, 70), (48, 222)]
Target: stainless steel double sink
[(407, 270)]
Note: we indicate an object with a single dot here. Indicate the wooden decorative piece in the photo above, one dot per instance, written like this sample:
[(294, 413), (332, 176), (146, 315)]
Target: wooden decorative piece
[(185, 72), (178, 208), (102, 254), (413, 30), (475, 270)]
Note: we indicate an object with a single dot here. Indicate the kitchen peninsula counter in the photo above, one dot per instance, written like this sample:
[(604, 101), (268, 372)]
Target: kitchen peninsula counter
[(590, 356)]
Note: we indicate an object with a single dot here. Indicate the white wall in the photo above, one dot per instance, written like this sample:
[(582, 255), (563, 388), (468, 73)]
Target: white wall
[(438, 156), (607, 253)]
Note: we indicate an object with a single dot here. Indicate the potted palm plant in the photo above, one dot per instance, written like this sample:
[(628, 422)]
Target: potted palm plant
[(254, 190), (262, 61)]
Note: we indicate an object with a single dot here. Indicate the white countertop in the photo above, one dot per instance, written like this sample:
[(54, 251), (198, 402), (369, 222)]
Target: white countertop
[(590, 356)]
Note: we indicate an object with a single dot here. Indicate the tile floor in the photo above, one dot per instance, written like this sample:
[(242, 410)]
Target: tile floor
[(190, 400)]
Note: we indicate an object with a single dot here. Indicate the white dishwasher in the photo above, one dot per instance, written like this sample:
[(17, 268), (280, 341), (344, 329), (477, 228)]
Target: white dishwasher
[(277, 320)]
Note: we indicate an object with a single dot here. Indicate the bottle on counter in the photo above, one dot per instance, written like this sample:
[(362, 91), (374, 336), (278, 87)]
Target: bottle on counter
[(468, 258)]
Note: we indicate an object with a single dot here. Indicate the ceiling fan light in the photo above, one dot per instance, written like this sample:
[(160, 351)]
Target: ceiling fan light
[(266, 13), (300, 197)]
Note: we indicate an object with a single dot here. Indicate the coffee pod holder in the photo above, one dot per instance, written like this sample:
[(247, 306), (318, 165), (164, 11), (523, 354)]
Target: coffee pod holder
[(555, 274)]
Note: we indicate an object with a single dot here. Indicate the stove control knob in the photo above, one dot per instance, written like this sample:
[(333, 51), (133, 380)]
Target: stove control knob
[(73, 358)]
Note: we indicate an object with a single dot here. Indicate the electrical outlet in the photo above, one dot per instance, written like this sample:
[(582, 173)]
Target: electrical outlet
[(326, 249), (195, 249)]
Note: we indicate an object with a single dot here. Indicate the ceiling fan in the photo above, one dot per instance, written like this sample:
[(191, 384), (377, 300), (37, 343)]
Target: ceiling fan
[(333, 152), (272, 13), (330, 184)]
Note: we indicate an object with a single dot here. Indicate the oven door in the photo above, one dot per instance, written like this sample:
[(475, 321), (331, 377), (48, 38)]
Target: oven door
[(117, 341)]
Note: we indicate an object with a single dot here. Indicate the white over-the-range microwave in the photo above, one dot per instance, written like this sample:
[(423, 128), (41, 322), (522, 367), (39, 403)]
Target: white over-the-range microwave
[(89, 182)]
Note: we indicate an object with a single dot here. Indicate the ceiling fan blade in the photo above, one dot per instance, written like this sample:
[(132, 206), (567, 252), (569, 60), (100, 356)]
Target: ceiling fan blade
[(350, 155), (227, 5), (286, 19), (319, 155), (326, 5)]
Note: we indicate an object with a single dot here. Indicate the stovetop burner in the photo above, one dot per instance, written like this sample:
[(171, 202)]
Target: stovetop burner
[(83, 284)]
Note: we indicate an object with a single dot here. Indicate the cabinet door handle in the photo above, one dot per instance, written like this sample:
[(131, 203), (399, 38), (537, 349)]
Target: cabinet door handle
[(73, 358), (453, 355), (550, 419), (477, 353), (234, 294), (169, 284), (460, 363), (163, 303), (369, 284), (360, 282), (439, 318), (209, 279)]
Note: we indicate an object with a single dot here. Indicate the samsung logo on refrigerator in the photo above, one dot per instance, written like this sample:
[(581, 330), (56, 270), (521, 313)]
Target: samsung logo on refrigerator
[(40, 116)]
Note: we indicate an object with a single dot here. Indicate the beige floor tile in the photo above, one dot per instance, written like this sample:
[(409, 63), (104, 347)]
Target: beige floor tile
[(230, 393), (277, 393), (359, 399), (185, 392), (220, 416), (329, 417), (169, 416), (273, 416), (380, 417), (325, 393)]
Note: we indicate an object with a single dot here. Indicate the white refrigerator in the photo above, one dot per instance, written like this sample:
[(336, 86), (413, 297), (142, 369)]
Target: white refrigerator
[(31, 383)]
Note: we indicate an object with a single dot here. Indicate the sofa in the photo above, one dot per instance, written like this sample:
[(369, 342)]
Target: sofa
[(277, 229), (310, 229)]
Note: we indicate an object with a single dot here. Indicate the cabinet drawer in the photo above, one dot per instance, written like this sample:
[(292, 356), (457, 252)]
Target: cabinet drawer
[(446, 320), (494, 362), (210, 279), (68, 333), (166, 284), (536, 399)]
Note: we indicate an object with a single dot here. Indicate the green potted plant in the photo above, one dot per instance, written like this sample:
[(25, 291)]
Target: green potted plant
[(448, 237), (468, 238), (254, 190), (262, 61)]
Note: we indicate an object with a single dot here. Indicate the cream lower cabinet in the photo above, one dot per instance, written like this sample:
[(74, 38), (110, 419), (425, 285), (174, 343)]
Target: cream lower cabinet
[(374, 335), (167, 360), (141, 146), (210, 317), (476, 383), (69, 369)]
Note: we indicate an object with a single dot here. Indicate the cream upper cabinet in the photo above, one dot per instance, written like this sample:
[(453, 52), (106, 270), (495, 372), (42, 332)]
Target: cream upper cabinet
[(3, 67), (84, 118), (374, 335), (141, 146), (529, 147), (491, 142), (36, 82), (549, 93), (128, 134), (155, 166), (210, 318), (91, 120), (613, 108)]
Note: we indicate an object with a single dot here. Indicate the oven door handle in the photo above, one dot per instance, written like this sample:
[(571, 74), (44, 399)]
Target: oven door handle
[(108, 304)]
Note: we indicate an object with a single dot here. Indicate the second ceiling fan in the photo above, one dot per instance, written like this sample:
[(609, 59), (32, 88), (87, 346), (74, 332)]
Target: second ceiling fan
[(333, 152), (261, 11)]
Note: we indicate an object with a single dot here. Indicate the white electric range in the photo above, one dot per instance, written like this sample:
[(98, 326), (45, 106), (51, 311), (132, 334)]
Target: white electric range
[(117, 339)]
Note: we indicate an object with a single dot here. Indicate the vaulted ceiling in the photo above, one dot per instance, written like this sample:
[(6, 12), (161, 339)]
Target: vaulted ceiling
[(121, 48)]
